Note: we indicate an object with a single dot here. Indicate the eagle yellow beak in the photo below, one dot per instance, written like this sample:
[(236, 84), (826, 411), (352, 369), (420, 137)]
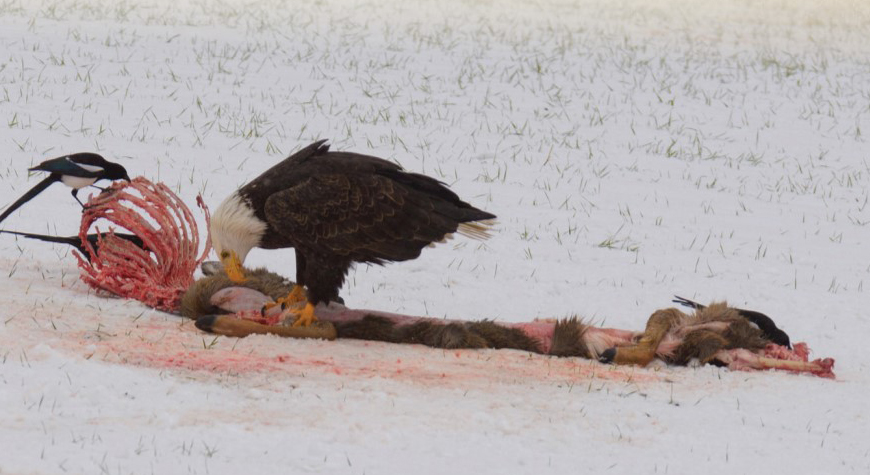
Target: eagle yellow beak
[(233, 266)]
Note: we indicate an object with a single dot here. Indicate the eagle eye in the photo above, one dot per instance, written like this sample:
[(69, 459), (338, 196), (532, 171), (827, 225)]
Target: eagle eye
[(225, 255)]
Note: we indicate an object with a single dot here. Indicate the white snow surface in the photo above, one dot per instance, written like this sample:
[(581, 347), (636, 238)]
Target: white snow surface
[(632, 149)]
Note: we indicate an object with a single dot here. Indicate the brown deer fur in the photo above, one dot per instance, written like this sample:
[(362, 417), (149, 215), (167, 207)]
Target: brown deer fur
[(196, 302), (701, 335), (671, 335)]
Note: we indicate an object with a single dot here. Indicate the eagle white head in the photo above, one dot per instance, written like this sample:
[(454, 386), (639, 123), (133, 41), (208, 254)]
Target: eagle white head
[(235, 230)]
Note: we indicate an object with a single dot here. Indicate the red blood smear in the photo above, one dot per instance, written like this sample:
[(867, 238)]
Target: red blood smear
[(159, 275), (823, 367), (257, 316), (801, 352)]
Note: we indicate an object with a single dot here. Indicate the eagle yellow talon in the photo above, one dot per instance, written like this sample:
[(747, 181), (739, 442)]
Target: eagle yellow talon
[(295, 296), (304, 317)]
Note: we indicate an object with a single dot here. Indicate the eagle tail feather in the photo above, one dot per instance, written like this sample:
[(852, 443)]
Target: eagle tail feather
[(479, 230)]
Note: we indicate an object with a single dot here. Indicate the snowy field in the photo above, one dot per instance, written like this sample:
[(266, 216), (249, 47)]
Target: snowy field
[(632, 150)]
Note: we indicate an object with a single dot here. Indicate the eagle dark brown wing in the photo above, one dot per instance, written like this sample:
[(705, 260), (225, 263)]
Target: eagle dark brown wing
[(360, 217), (337, 208)]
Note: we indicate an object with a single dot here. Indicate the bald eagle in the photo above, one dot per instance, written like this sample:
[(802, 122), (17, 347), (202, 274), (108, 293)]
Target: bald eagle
[(335, 209)]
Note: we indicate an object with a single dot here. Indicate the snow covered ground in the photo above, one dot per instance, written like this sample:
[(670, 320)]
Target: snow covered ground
[(633, 150)]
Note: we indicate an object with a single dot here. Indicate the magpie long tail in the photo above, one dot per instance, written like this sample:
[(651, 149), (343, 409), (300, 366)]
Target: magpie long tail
[(76, 242), (29, 195), (72, 240)]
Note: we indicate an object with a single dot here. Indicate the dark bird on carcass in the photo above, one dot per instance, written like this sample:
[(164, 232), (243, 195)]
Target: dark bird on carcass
[(709, 335), (335, 209), (766, 324), (76, 171), (95, 239)]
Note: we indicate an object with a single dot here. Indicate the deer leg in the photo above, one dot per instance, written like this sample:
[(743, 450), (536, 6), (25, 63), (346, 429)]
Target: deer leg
[(644, 351), (231, 326), (742, 359)]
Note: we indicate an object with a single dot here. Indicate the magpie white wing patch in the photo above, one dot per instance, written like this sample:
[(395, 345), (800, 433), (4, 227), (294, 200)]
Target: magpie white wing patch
[(76, 181), (84, 166)]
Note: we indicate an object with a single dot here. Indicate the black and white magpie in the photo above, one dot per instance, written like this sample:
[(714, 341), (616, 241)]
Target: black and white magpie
[(76, 171)]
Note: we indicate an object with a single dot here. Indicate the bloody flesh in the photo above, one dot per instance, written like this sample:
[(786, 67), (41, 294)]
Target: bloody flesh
[(158, 273)]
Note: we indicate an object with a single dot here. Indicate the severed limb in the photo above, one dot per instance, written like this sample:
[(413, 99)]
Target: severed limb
[(242, 302), (237, 327), (742, 359), (644, 351)]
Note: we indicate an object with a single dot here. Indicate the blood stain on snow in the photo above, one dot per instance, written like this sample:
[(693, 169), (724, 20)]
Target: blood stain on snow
[(165, 342)]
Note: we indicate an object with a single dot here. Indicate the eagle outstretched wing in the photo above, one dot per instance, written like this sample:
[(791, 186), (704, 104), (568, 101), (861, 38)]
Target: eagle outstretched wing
[(364, 217)]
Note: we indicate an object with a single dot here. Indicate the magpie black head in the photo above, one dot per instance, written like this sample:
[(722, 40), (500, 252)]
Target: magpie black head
[(767, 326), (111, 170), (115, 171)]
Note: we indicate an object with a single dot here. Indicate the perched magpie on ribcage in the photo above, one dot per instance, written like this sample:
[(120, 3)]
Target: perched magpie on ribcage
[(76, 171)]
